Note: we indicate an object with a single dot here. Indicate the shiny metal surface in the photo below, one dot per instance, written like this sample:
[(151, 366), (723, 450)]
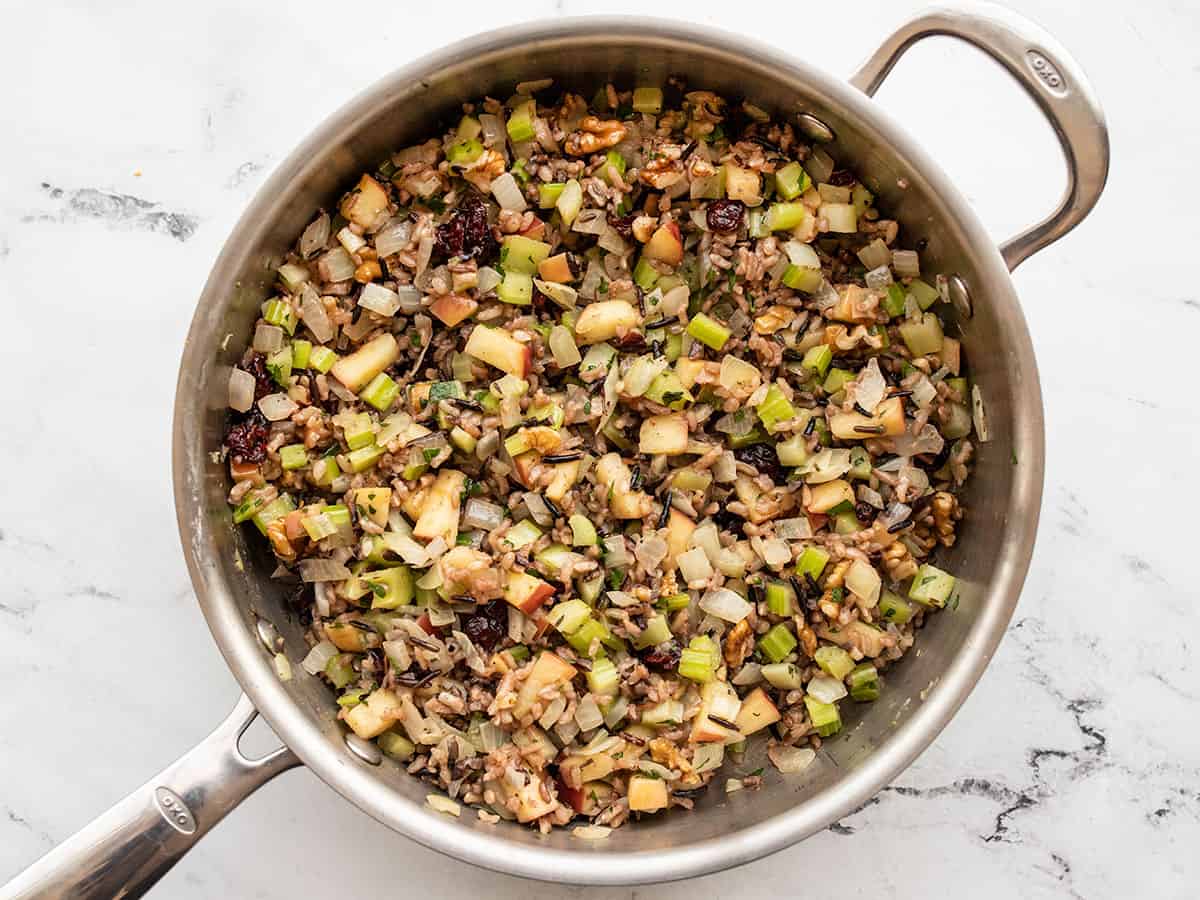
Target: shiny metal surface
[(230, 574)]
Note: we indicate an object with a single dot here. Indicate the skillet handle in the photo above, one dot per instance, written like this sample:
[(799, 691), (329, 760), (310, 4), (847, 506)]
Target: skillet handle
[(128, 848), (1048, 74)]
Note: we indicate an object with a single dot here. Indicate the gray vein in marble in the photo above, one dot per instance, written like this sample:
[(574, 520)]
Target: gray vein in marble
[(117, 209), (243, 173), (22, 822)]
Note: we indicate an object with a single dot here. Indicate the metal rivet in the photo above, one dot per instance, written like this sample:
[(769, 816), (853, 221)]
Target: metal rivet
[(813, 128), (960, 296), (364, 750), (268, 635)]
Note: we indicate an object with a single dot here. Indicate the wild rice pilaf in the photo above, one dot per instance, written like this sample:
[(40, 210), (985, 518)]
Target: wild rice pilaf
[(601, 436)]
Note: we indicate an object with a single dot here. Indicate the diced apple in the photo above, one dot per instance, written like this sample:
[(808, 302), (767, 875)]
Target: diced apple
[(587, 768), (624, 503), (679, 534), (647, 794), (866, 638), (556, 268), (665, 434), (665, 245), (852, 306), (439, 514), (603, 320), (828, 495), (450, 309), (589, 798), (526, 592), (855, 426), (498, 348), (379, 713), (549, 669), (742, 184), (414, 503), (717, 699), (357, 369), (349, 639), (531, 803), (757, 712), (633, 505), (363, 205), (523, 464), (565, 476), (373, 503), (688, 370)]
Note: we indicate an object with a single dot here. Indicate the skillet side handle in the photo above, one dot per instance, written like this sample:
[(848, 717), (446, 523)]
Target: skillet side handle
[(1048, 74), (128, 848)]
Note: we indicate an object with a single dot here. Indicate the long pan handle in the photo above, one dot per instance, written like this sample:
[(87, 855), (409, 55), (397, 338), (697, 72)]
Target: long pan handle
[(128, 848), (1048, 74)]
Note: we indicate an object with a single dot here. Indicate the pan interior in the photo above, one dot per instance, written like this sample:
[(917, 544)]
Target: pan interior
[(230, 567)]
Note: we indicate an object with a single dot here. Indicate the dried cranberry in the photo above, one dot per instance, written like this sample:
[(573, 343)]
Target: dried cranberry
[(487, 627), (247, 439), (263, 383), (664, 657), (467, 233), (842, 178), (725, 215), (727, 521), (623, 225), (763, 458), (864, 511)]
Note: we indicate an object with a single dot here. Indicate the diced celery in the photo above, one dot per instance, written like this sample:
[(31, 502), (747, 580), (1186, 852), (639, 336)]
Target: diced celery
[(837, 379), (360, 431), (781, 599), (777, 643), (589, 632), (834, 661), (391, 588), (931, 586), (817, 359), (861, 198), (812, 562), (590, 588), (894, 608), (520, 653), (280, 312), (293, 456), (802, 278), (381, 393), (583, 532), (846, 522), (614, 159), (519, 173), (340, 670), (675, 602), (522, 254), (775, 408), (603, 680), (247, 509), (464, 151), (923, 336), (755, 436), (690, 479), (318, 526), (893, 303), (757, 224), (959, 386), (339, 514), (825, 717), (548, 194), (520, 123), (923, 293), (785, 216), (793, 451), (860, 464), (516, 444), (696, 665), (648, 100), (863, 681), (708, 331), (791, 181), (463, 440), (656, 632), (280, 506), (396, 746), (783, 676), (569, 616), (364, 458), (645, 275), (468, 127), (301, 351), (322, 359), (666, 389), (521, 535), (673, 348), (279, 366), (516, 288)]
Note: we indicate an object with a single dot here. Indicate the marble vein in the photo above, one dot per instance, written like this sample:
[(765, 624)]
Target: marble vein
[(116, 210)]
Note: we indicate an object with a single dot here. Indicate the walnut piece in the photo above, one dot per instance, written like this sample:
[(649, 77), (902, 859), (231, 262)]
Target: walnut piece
[(739, 643), (594, 135), (899, 561), (775, 318), (946, 513)]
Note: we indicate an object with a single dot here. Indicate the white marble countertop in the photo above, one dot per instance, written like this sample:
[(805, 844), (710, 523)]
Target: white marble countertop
[(134, 135)]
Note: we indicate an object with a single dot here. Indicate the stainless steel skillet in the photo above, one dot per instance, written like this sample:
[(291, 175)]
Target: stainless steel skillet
[(124, 851)]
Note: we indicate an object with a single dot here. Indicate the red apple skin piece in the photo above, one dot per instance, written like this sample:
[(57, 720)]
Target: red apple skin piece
[(427, 626), (757, 712), (666, 245), (452, 309), (573, 797), (526, 592), (535, 231)]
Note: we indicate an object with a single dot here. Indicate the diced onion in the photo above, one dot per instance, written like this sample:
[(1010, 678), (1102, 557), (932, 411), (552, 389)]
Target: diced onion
[(591, 221), (793, 529), (725, 468), (394, 236), (443, 804), (538, 509), (733, 785), (424, 253), (611, 240), (482, 514), (906, 263), (826, 296), (318, 568), (508, 193), (650, 551), (313, 314), (870, 387), (283, 668), (694, 565), (615, 554), (588, 714), (929, 440), (562, 347), (655, 769), (979, 415), (826, 688), (379, 299), (336, 265), (750, 673), (267, 338), (491, 129), (894, 514), (923, 392), (641, 373), (674, 300), (314, 663), (725, 604), (870, 496), (819, 165), (277, 406), (554, 709), (409, 297), (772, 551), (622, 599), (241, 390), (492, 736), (802, 255), (878, 279), (863, 581), (708, 756), (397, 653), (825, 466), (706, 538), (616, 712), (790, 760), (875, 254), (591, 832), (315, 236)]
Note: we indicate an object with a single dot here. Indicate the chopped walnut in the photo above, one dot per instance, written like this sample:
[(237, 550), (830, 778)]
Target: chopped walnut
[(808, 637), (739, 643), (643, 228), (775, 318), (898, 561), (946, 512), (594, 135), (661, 172), (489, 165), (277, 535)]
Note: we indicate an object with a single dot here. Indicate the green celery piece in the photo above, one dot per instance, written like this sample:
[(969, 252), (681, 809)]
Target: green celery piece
[(293, 456), (834, 661), (520, 123), (825, 717), (548, 194), (462, 152), (894, 608), (781, 599), (775, 408), (931, 586), (280, 506), (817, 359), (777, 643), (708, 331), (812, 562), (791, 181), (301, 351)]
